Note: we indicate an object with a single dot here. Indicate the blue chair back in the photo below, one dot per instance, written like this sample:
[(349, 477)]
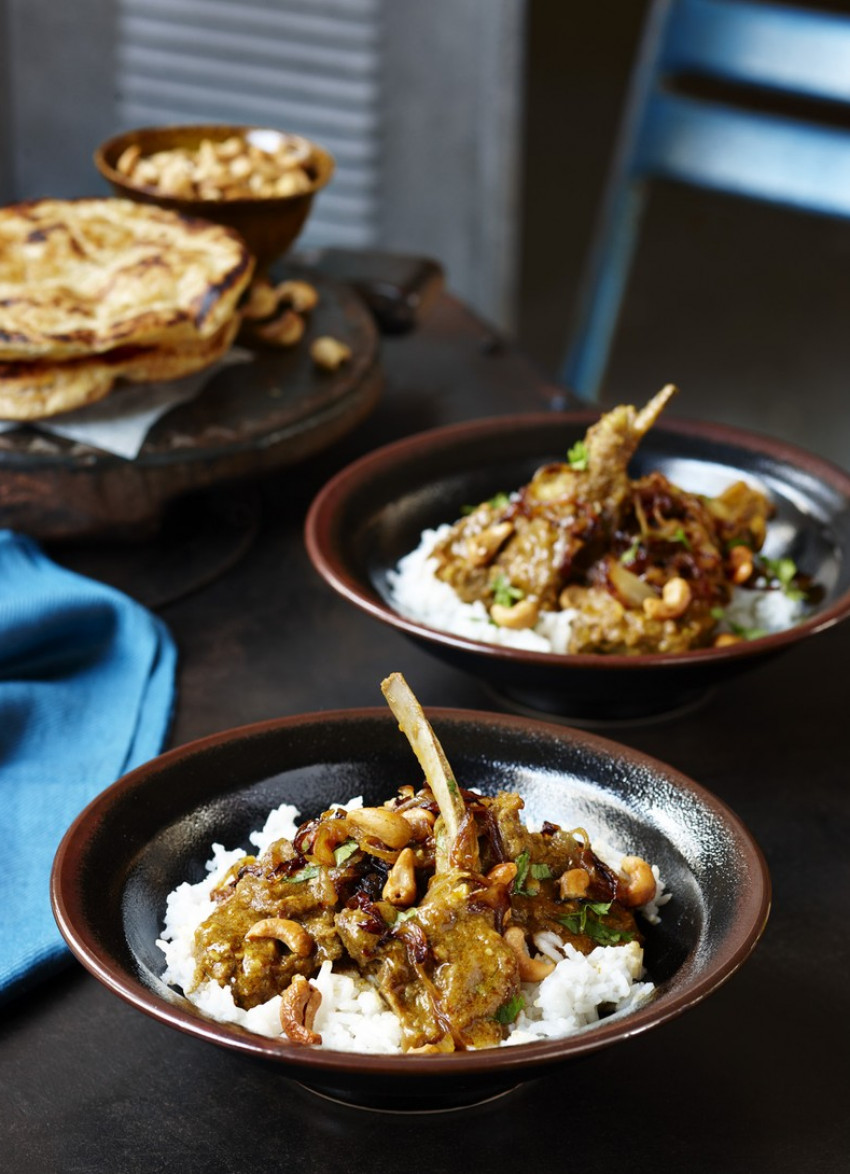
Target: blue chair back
[(710, 142)]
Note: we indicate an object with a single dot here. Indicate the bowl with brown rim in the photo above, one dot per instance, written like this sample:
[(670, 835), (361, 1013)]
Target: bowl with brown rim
[(153, 829), (374, 511), (269, 224)]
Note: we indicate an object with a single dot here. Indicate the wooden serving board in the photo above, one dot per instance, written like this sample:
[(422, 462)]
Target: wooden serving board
[(275, 410)]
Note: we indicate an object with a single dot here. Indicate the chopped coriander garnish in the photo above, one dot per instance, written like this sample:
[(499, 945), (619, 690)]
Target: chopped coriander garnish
[(541, 872), (604, 935), (747, 633), (629, 556), (717, 613), (508, 1012), (525, 870), (679, 535), (344, 850), (503, 593), (578, 456), (587, 921), (310, 872), (497, 502), (784, 572), (523, 863)]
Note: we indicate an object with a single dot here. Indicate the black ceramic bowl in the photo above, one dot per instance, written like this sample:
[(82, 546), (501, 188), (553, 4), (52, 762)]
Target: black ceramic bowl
[(153, 829), (374, 511)]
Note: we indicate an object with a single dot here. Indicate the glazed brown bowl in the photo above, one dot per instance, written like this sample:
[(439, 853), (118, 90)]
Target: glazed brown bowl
[(268, 224), (373, 512), (153, 829)]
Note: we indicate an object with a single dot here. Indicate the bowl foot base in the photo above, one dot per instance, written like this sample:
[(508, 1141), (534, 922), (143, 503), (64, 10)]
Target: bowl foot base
[(597, 715), (375, 1102)]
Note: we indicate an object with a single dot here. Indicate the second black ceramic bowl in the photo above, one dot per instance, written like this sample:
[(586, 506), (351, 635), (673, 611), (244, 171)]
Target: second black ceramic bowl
[(374, 511)]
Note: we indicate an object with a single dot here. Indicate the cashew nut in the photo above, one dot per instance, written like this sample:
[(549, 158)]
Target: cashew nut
[(520, 615), (390, 827), (574, 883), (285, 331), (298, 1006), (400, 887), (675, 597), (329, 353), (298, 295), (289, 932), (502, 874), (637, 882), (421, 822), (741, 565), (262, 301), (530, 969)]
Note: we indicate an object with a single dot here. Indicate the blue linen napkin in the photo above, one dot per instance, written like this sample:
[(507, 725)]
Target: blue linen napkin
[(86, 694)]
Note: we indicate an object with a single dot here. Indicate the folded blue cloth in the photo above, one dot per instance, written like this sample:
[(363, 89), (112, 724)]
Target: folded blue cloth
[(86, 693)]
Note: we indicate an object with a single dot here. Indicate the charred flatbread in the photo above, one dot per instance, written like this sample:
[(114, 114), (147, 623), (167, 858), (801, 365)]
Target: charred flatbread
[(85, 277), (36, 389)]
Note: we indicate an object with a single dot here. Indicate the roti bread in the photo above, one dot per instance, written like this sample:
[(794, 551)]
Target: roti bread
[(35, 389), (84, 277)]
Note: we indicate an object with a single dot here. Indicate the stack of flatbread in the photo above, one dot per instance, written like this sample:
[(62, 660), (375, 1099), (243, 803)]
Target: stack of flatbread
[(97, 290)]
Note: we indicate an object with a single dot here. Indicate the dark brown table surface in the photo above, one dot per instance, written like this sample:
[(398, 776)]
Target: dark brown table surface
[(753, 1079)]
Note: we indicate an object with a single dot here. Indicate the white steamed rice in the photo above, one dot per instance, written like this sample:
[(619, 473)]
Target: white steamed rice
[(354, 1018), (417, 594)]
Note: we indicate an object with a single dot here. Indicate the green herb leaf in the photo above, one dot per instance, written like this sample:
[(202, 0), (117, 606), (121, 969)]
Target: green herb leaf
[(679, 535), (541, 872), (747, 633), (784, 572), (578, 456), (310, 872), (508, 1012), (629, 556), (503, 593), (452, 785), (497, 502), (604, 935), (523, 865), (587, 920), (345, 849)]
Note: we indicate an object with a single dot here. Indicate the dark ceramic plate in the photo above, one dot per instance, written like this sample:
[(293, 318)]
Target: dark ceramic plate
[(153, 829), (374, 511)]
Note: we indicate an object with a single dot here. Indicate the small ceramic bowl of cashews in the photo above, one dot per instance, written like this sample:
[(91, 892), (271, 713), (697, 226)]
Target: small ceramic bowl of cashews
[(258, 180)]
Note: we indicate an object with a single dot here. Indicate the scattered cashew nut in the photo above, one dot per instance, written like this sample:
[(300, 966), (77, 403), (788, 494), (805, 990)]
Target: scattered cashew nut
[(285, 331), (520, 615), (329, 353), (675, 597), (283, 930), (400, 887), (637, 882), (530, 969), (298, 1006), (390, 827)]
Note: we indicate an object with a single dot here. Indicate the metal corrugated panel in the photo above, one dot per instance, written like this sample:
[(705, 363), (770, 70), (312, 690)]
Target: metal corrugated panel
[(316, 72)]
